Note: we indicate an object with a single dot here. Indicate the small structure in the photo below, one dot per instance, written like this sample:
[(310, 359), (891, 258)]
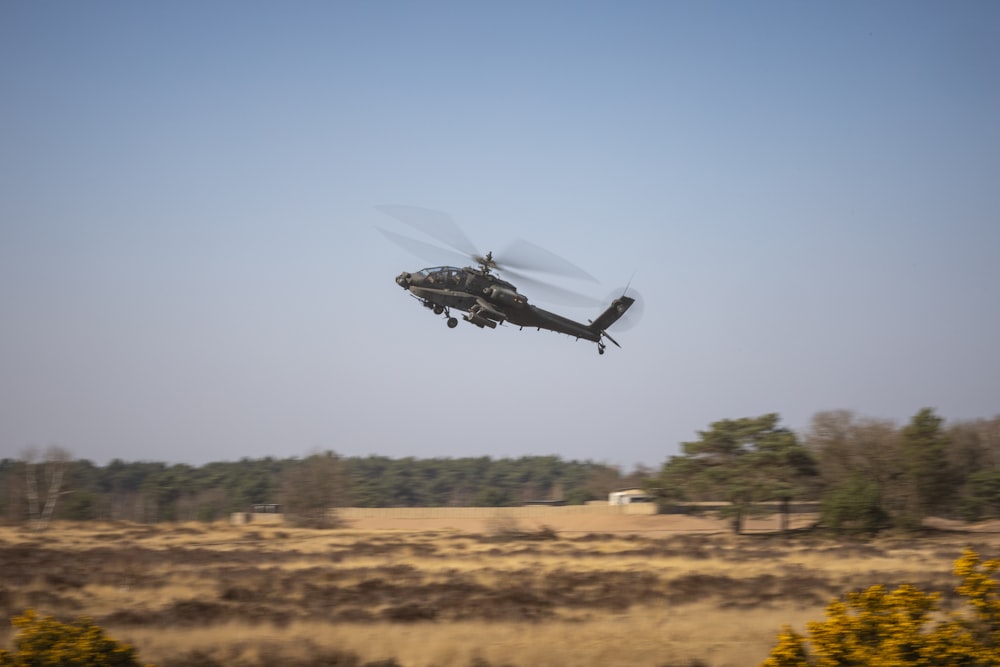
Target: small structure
[(261, 513), (629, 496), (266, 508)]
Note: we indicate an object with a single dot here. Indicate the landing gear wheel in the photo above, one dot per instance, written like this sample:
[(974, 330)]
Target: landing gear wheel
[(452, 323), (600, 348), (438, 310)]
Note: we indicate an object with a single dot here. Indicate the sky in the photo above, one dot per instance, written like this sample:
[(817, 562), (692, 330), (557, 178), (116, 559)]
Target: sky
[(806, 196)]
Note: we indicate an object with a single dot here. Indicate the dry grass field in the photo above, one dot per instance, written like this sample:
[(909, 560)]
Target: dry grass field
[(646, 595)]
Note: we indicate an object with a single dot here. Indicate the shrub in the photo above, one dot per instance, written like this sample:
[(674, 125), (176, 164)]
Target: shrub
[(854, 507), (878, 627), (42, 641)]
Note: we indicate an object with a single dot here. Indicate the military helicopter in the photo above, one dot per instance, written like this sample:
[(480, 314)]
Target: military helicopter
[(485, 298)]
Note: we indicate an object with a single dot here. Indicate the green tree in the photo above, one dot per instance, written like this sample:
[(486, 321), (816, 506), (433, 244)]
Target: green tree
[(742, 462), (974, 457), (12, 505), (854, 506), (982, 495), (930, 479), (42, 641)]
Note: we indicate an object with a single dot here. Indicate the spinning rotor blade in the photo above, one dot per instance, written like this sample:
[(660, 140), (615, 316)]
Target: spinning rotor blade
[(543, 291), (520, 255), (426, 251), (523, 255), (526, 256), (439, 226)]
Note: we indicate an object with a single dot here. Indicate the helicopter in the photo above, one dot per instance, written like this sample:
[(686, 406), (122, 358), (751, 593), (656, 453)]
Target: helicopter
[(486, 299)]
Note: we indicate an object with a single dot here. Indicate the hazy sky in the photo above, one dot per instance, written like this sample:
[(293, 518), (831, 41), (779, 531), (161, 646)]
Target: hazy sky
[(807, 194)]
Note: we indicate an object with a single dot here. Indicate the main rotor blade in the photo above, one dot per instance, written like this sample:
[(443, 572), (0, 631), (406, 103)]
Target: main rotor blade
[(428, 252), (526, 256), (439, 226), (547, 292)]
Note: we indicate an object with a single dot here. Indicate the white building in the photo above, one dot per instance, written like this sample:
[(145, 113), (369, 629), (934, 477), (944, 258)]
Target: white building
[(629, 496)]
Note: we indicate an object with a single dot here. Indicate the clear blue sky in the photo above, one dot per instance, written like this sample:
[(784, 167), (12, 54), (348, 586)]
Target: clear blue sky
[(808, 196)]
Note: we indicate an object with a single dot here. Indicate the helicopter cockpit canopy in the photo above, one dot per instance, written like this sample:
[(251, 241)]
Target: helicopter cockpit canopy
[(441, 275)]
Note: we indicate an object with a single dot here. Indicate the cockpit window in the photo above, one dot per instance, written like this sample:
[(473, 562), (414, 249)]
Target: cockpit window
[(442, 275)]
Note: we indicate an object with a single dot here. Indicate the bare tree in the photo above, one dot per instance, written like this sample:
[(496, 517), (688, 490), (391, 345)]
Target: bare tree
[(312, 488), (862, 468), (986, 435), (846, 445), (43, 478)]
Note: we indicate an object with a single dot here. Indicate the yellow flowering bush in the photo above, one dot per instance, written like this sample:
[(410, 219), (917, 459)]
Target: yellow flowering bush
[(42, 641), (882, 628)]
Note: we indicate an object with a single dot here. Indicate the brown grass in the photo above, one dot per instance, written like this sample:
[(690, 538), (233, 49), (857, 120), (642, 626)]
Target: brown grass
[(194, 594)]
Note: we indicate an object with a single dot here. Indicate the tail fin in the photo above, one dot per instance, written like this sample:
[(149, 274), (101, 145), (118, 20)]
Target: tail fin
[(611, 315)]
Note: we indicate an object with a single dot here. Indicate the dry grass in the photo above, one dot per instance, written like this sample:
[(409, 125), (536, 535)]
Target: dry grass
[(640, 637), (195, 594)]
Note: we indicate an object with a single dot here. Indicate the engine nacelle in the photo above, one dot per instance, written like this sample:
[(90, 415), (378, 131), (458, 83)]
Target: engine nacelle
[(505, 296)]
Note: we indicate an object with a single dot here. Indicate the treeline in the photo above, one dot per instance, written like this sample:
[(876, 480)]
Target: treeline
[(876, 475), (869, 474), (151, 492)]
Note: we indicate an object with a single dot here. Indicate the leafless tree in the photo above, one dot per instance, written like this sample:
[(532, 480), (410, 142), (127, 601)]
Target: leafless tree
[(312, 487), (977, 443), (847, 445), (855, 450), (43, 481)]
